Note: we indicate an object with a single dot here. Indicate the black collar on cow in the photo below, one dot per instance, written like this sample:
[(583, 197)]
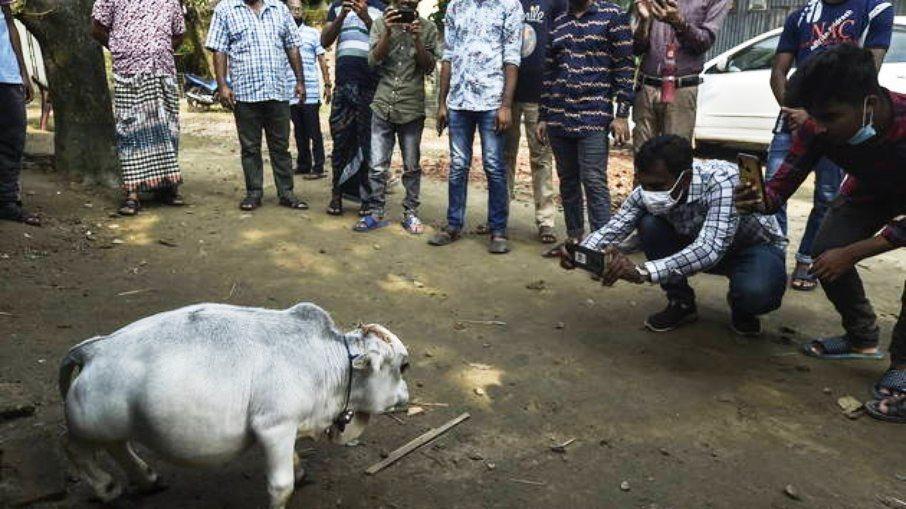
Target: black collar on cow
[(346, 415)]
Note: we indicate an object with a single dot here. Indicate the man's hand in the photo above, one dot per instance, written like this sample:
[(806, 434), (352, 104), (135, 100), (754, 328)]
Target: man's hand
[(29, 90), (442, 118), (360, 7), (668, 11), (566, 261), (227, 99), (643, 9), (328, 92), (620, 127), (833, 263), (415, 28), (347, 6), (747, 199), (300, 90), (619, 267), (541, 133), (795, 117), (504, 119), (391, 19)]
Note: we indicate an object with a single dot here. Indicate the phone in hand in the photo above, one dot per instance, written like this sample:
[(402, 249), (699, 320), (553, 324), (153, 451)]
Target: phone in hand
[(750, 173), (406, 15), (586, 258)]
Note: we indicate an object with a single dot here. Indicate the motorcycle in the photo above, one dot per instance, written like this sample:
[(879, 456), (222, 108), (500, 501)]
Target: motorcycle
[(201, 93)]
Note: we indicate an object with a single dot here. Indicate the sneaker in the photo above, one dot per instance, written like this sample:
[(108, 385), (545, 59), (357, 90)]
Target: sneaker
[(745, 325), (675, 314)]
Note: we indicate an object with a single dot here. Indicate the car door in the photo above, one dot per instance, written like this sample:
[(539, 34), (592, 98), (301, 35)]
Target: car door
[(735, 103), (893, 72)]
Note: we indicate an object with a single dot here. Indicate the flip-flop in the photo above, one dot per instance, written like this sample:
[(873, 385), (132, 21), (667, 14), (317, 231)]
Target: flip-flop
[(15, 212), (444, 237), (368, 223), (837, 348), (412, 224), (803, 280), (893, 380), (546, 235), (129, 207), (335, 207), (896, 409), (293, 203)]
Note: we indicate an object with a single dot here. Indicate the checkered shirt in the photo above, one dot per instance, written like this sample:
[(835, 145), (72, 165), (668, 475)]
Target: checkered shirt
[(708, 214), (256, 46)]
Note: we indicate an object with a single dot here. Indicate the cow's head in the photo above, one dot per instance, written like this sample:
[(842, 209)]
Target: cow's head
[(377, 381)]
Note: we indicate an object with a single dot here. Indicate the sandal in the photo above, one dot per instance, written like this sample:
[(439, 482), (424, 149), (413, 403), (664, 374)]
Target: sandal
[(313, 176), (170, 196), (445, 237), (554, 252), (412, 224), (249, 203), (365, 210), (369, 223), (129, 207), (15, 212), (335, 207), (482, 229), (546, 235), (892, 383), (802, 279), (293, 203), (836, 348), (895, 409)]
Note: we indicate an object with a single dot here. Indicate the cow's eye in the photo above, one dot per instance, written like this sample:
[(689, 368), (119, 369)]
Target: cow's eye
[(404, 367)]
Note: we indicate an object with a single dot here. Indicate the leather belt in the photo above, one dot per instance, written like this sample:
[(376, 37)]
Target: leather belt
[(681, 82)]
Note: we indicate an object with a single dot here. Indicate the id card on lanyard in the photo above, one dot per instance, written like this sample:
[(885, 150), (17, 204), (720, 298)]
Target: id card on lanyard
[(668, 76)]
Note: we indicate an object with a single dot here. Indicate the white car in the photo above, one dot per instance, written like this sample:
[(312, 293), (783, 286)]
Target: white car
[(735, 102)]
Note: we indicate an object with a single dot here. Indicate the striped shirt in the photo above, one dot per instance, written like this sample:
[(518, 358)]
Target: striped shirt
[(352, 45), (309, 51), (256, 45), (708, 214), (589, 63)]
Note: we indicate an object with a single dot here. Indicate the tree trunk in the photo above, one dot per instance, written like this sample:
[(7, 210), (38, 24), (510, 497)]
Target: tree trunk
[(85, 136), (195, 59)]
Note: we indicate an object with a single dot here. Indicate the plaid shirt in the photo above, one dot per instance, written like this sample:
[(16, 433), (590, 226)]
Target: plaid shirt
[(256, 46), (589, 63), (875, 171), (708, 214)]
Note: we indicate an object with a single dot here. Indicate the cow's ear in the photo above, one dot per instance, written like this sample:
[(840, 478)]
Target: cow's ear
[(366, 362)]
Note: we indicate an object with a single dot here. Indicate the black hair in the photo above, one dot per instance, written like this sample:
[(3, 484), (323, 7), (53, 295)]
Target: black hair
[(675, 151), (844, 74)]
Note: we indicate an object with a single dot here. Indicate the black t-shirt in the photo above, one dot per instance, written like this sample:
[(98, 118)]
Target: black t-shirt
[(539, 18)]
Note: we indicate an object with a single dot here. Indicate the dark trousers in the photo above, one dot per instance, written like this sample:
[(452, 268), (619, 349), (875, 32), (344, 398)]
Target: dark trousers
[(757, 273), (272, 117), (582, 163), (307, 130), (844, 224), (12, 140), (350, 128)]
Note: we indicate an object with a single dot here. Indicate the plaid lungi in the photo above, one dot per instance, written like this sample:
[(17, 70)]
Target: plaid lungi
[(147, 129)]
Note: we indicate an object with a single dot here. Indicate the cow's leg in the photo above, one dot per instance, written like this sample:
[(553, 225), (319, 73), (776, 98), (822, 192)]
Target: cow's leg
[(138, 471), (85, 458), (279, 448)]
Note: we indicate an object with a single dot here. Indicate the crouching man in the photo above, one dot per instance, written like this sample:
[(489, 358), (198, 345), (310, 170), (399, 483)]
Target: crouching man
[(687, 223)]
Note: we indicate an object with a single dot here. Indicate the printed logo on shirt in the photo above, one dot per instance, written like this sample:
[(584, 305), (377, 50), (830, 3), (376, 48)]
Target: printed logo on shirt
[(534, 15), (833, 33)]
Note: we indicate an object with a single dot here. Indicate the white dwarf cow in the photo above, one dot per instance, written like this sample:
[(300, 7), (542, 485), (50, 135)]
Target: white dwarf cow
[(201, 384)]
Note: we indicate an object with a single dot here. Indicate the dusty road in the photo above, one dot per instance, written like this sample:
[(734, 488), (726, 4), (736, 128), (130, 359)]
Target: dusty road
[(692, 419)]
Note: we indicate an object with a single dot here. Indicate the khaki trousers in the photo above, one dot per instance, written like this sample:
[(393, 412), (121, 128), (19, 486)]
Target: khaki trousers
[(652, 118), (540, 157)]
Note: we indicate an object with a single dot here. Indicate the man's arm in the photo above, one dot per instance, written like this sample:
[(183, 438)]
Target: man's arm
[(325, 70), (641, 36), (425, 38), (697, 38), (220, 72), (100, 33), (379, 41), (17, 49), (780, 69), (334, 24), (295, 62), (622, 73), (620, 225)]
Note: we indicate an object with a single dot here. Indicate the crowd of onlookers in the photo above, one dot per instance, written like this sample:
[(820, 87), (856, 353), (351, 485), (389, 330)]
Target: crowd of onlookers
[(569, 73)]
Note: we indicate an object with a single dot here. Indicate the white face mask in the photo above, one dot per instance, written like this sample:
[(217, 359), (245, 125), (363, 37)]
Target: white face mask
[(660, 202)]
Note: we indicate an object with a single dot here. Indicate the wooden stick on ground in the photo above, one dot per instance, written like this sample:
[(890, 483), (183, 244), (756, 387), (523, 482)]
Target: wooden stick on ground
[(414, 444)]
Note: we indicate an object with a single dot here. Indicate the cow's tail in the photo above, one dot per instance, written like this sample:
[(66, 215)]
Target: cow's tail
[(77, 356)]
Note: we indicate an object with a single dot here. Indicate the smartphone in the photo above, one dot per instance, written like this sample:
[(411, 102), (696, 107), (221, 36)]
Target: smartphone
[(406, 15), (750, 172), (586, 258)]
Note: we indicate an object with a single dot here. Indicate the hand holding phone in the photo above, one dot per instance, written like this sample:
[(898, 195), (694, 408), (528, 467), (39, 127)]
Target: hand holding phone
[(750, 174)]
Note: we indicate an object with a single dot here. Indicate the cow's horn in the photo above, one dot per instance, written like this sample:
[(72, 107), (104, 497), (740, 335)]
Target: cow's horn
[(377, 330)]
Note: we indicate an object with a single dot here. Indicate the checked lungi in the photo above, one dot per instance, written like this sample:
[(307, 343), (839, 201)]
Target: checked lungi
[(147, 129)]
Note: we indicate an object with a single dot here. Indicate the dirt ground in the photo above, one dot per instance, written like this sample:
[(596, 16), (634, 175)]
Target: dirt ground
[(697, 418)]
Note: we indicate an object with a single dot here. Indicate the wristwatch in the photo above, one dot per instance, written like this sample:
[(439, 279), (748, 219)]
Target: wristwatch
[(646, 276)]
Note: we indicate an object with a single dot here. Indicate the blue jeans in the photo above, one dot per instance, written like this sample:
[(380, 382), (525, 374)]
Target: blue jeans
[(828, 178), (383, 136), (463, 124), (757, 273)]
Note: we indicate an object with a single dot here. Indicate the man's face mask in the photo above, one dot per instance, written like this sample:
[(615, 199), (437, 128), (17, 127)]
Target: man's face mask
[(867, 131), (660, 202)]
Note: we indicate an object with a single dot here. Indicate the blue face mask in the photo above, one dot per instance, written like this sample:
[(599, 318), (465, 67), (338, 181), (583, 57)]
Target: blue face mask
[(867, 131)]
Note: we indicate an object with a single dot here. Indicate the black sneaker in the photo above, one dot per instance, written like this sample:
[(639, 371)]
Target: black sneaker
[(675, 314), (745, 325)]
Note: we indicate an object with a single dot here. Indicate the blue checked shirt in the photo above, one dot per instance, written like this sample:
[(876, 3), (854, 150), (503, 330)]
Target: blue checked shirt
[(256, 46), (309, 52), (480, 37), (708, 214)]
